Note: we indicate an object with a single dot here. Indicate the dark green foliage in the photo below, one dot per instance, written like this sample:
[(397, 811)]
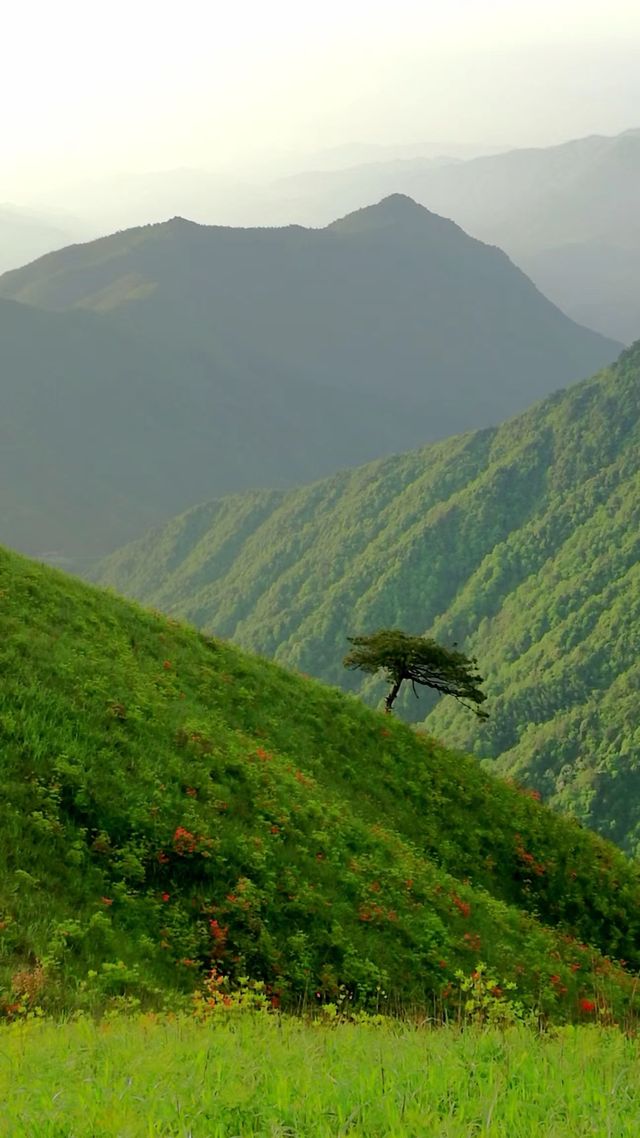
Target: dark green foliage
[(418, 660), (519, 543), (199, 360), (168, 803)]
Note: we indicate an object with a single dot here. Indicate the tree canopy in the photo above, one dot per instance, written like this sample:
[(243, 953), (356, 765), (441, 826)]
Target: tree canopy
[(419, 660)]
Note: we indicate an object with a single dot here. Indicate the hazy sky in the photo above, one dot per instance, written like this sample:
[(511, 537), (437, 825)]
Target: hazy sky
[(89, 86)]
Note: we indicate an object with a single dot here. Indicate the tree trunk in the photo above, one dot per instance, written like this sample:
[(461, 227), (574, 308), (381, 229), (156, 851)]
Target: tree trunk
[(391, 698)]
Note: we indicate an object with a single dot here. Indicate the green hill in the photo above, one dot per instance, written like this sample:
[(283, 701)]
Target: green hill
[(169, 805), (519, 543), (186, 361)]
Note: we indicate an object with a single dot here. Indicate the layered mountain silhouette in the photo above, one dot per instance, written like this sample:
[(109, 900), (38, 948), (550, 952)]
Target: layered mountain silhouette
[(567, 215), (178, 362), (520, 544)]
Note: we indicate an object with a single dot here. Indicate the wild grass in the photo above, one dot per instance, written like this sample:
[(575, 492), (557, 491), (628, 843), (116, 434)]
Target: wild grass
[(169, 804), (279, 1077)]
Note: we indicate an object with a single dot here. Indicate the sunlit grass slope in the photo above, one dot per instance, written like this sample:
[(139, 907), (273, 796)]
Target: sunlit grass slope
[(169, 804), (258, 1077)]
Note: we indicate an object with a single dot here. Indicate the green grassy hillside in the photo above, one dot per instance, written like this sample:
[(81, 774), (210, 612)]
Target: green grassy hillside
[(520, 543), (169, 804)]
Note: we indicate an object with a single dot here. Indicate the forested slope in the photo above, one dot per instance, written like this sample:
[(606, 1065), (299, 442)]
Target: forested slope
[(519, 543)]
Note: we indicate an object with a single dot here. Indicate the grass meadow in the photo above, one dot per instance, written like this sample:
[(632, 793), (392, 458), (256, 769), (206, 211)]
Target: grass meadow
[(281, 1077)]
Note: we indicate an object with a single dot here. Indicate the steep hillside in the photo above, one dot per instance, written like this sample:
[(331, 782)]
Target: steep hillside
[(566, 214), (169, 805), (222, 359), (519, 543)]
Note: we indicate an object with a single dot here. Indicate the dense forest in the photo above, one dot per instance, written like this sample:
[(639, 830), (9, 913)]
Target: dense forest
[(519, 543)]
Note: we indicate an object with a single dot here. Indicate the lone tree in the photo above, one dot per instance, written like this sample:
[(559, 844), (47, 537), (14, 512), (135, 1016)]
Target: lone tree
[(418, 660)]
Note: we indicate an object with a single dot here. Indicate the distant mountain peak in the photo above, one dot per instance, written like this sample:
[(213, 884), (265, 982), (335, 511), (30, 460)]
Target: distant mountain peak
[(394, 210), (179, 222)]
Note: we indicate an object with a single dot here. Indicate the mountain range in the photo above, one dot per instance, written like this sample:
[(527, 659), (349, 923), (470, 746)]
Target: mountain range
[(567, 215), (518, 543), (177, 362)]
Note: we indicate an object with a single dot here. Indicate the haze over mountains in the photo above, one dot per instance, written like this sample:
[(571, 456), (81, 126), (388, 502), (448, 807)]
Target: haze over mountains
[(26, 234), (519, 543), (567, 215), (178, 362)]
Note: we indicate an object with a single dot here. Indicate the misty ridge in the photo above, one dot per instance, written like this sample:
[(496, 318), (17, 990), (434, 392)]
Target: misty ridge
[(172, 363), (565, 214)]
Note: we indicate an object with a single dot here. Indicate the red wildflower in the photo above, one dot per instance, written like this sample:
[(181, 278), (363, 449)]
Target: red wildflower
[(472, 940), (587, 1005), (184, 842), (166, 896), (463, 906), (218, 934)]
